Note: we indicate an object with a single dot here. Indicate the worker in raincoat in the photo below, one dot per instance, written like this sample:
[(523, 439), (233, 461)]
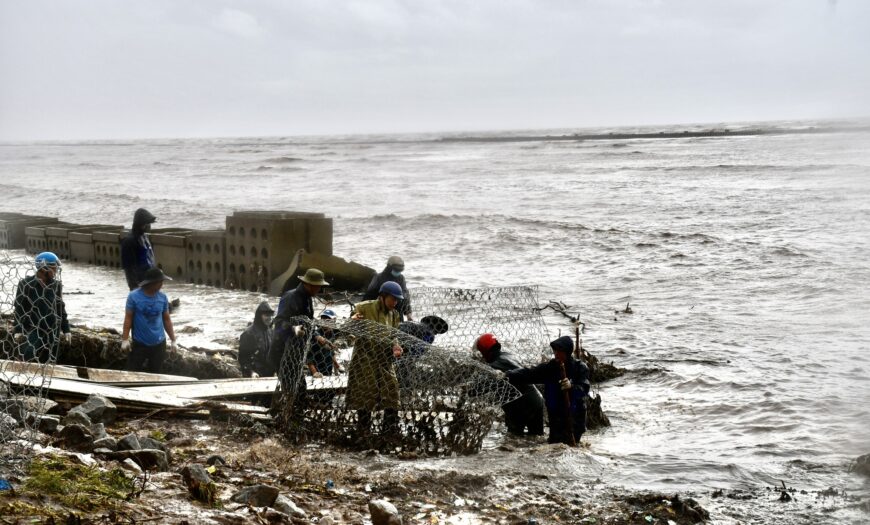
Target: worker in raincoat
[(372, 383)]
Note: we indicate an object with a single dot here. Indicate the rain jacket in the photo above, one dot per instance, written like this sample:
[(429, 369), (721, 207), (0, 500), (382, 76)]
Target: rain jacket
[(528, 410), (372, 292), (40, 314), (137, 255), (254, 345), (372, 383), (549, 374), (293, 307)]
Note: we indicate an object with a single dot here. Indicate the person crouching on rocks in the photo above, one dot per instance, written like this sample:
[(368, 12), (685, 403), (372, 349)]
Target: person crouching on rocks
[(254, 344), (564, 393), (147, 314)]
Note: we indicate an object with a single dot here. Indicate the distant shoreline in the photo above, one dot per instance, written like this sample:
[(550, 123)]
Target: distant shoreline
[(657, 135)]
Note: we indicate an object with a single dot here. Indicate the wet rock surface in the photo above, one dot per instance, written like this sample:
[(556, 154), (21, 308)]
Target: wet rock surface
[(256, 496)]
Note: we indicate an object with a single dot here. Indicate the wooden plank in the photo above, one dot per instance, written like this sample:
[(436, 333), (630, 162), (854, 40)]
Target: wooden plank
[(113, 393), (219, 388), (101, 375)]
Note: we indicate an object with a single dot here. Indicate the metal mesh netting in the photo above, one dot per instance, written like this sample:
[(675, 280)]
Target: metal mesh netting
[(26, 357), (436, 398)]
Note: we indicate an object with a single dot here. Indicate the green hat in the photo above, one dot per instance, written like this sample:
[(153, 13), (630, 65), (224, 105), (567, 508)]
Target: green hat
[(314, 277)]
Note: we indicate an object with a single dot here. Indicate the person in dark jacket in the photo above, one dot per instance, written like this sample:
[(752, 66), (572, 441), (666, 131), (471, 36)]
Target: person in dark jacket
[(137, 255), (392, 272), (39, 311), (425, 331), (287, 351), (254, 344), (526, 412), (565, 418)]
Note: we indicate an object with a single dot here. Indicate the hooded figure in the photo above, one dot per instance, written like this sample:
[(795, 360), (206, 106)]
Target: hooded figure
[(137, 255), (254, 344), (565, 418), (391, 272), (528, 410)]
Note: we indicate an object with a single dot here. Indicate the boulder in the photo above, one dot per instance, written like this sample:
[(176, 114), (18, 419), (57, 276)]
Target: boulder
[(384, 513), (148, 459), (256, 496), (7, 423), (199, 484), (75, 437), (147, 442), (107, 442), (43, 423), (16, 409), (98, 409), (131, 466), (129, 442), (98, 430), (74, 417), (862, 465), (287, 506)]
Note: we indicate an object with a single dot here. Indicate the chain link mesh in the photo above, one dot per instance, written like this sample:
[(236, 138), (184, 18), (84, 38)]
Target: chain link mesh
[(436, 398), (26, 359)]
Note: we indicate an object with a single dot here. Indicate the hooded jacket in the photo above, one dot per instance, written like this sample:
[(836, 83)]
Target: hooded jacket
[(372, 383), (372, 292), (254, 345), (137, 255)]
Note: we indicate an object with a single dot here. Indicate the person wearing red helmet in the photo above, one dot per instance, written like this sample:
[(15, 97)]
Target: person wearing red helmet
[(526, 412)]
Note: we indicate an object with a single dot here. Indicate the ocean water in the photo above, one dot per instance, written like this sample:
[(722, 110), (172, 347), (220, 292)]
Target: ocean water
[(745, 260)]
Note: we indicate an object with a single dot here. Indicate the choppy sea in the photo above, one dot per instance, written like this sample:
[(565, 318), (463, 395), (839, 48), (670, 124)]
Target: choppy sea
[(746, 261)]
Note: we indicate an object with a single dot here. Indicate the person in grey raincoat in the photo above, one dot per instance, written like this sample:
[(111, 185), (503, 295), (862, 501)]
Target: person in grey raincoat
[(254, 344)]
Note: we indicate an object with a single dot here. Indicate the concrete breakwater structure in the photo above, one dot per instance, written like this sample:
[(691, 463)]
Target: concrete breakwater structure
[(259, 251)]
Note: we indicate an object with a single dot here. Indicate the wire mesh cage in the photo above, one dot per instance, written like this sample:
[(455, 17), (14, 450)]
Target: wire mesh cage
[(32, 311), (410, 385)]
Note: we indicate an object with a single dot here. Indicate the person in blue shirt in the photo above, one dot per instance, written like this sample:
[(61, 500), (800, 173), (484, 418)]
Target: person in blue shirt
[(147, 315)]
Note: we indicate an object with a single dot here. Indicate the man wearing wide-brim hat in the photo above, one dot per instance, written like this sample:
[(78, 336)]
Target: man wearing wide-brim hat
[(295, 309), (147, 316)]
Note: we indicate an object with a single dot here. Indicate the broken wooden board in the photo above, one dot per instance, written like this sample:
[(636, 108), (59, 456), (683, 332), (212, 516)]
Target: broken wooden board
[(100, 375), (123, 397), (228, 388)]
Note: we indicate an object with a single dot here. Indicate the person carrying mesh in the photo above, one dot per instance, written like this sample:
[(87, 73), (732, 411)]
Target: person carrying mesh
[(526, 412), (566, 385), (372, 383), (39, 311), (295, 309)]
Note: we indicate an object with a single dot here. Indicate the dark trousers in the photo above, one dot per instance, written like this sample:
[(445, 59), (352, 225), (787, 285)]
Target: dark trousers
[(145, 358)]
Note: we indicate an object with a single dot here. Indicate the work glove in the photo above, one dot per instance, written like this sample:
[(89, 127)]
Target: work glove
[(19, 337), (500, 375), (317, 375), (173, 346), (125, 345), (298, 331), (254, 375), (565, 384), (67, 338), (397, 351)]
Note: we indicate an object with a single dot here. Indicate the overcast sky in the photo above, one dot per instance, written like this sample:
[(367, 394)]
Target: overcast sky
[(174, 68)]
